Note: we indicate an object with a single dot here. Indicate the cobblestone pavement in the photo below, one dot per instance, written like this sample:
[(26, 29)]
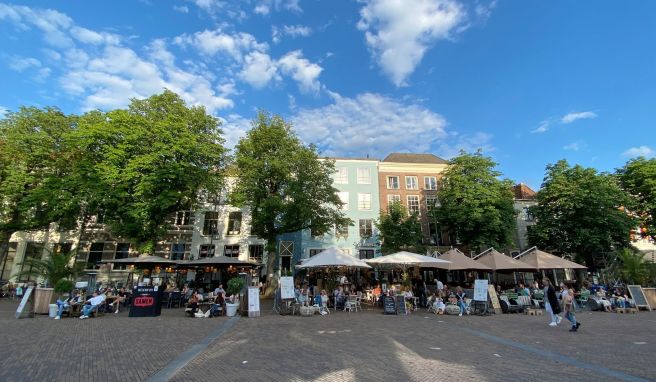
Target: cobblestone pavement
[(362, 346)]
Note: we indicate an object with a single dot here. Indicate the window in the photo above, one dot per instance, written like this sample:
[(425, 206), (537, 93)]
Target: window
[(364, 176), (211, 223), (344, 197), (434, 234), (341, 175), (413, 204), (256, 252), (431, 202), (393, 199), (286, 248), (430, 183), (411, 183), (206, 250), (95, 255), (234, 223), (528, 216), (366, 254), (285, 263), (315, 251), (231, 250), (342, 231), (364, 202), (122, 252), (62, 248), (366, 228), (184, 218), (393, 182), (177, 251), (8, 262)]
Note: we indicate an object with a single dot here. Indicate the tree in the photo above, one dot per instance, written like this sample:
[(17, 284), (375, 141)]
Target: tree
[(474, 205), (580, 212), (397, 229), (53, 268), (150, 160), (285, 185), (35, 158), (638, 178), (634, 268)]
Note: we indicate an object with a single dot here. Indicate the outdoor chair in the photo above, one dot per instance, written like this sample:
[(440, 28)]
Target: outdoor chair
[(509, 306), (524, 302), (582, 300)]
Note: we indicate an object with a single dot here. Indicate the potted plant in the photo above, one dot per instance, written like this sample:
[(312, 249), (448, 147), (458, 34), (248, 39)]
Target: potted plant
[(235, 285)]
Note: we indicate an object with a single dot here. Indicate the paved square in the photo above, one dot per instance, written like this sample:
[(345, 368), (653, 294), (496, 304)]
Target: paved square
[(362, 346)]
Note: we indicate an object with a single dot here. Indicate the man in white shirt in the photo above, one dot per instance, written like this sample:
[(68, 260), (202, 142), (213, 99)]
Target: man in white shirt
[(92, 304), (440, 286)]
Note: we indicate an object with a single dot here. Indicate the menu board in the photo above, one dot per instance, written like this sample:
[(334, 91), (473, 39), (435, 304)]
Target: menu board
[(146, 302), (638, 296), (480, 290), (400, 305), (26, 297), (389, 305), (253, 302), (494, 299), (287, 288)]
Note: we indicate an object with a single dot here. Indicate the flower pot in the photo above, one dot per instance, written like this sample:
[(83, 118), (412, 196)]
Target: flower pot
[(231, 309)]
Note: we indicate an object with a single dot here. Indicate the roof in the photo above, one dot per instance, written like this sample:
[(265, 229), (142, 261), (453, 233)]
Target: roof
[(523, 191), (500, 262), (460, 261), (543, 260), (413, 158)]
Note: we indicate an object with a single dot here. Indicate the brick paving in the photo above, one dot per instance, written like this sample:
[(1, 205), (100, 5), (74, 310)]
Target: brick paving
[(362, 346)]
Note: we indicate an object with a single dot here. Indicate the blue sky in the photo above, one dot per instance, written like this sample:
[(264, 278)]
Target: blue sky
[(528, 82)]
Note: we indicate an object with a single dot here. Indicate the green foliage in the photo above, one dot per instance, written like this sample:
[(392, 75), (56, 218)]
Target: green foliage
[(235, 285), (52, 268), (580, 212), (64, 286), (634, 268), (150, 160), (638, 178), (397, 229), (285, 184), (475, 205)]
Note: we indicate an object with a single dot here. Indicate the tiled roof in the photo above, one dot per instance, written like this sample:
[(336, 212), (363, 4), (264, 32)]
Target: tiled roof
[(523, 192), (413, 158)]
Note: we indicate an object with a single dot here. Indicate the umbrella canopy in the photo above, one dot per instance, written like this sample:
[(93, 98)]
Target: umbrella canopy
[(141, 260), (460, 262), (216, 260), (500, 262), (332, 258), (543, 260), (404, 258)]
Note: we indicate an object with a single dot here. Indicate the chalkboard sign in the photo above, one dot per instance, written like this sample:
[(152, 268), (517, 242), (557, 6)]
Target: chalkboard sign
[(494, 299), (638, 296), (146, 302), (27, 296), (389, 305), (400, 305)]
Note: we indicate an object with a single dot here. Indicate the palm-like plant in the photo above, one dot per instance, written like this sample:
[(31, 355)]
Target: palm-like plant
[(634, 266), (57, 266)]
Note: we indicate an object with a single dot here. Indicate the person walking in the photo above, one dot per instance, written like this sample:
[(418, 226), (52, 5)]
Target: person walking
[(568, 310), (551, 303)]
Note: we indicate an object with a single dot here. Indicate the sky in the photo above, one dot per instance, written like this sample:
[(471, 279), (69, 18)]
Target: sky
[(527, 82)]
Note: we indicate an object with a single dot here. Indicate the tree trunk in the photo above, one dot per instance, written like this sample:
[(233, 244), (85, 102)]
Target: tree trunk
[(271, 268), (5, 236)]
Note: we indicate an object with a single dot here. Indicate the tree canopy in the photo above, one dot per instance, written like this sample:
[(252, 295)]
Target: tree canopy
[(580, 212), (474, 204), (397, 229), (150, 160), (638, 178), (285, 184)]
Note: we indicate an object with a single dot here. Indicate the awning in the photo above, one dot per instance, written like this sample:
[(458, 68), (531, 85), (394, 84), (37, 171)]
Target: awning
[(409, 259), (333, 258), (543, 260), (216, 260), (500, 262), (460, 262), (147, 259)]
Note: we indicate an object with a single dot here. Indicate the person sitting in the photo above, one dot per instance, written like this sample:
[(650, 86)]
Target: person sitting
[(409, 298), (219, 290), (68, 304), (462, 303), (523, 290), (601, 298), (192, 304), (92, 304), (323, 302), (437, 303), (121, 296)]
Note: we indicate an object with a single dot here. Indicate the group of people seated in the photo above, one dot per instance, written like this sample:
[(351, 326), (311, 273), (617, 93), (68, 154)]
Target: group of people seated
[(76, 302), (617, 299), (194, 297), (441, 297)]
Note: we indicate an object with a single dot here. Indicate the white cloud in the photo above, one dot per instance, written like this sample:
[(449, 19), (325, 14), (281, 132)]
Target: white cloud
[(456, 142), (181, 8), (640, 151), (302, 70), (258, 69), (3, 111), (264, 7), (212, 42), (571, 117), (88, 36), (289, 30), (20, 64), (574, 146), (543, 127), (234, 128), (400, 32), (370, 124)]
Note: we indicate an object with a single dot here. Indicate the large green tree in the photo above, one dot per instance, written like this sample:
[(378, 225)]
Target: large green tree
[(580, 212), (474, 204), (35, 158), (150, 160), (638, 178), (397, 229), (285, 184)]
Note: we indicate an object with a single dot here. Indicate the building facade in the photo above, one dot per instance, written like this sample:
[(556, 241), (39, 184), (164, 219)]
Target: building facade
[(524, 199)]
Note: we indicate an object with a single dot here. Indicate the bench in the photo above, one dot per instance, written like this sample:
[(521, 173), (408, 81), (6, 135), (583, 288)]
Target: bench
[(626, 310)]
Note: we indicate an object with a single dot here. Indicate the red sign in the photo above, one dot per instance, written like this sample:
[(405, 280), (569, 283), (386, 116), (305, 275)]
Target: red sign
[(144, 301)]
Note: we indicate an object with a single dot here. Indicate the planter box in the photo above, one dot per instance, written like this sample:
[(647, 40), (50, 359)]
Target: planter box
[(231, 309), (42, 300)]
